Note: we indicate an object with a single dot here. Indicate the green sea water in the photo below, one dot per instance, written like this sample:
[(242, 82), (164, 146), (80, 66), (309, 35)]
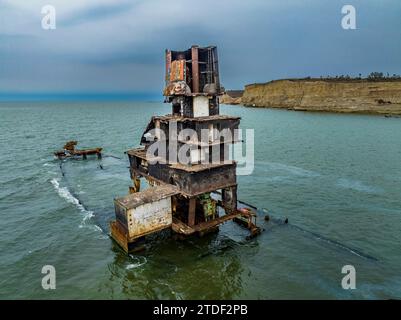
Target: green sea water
[(336, 177)]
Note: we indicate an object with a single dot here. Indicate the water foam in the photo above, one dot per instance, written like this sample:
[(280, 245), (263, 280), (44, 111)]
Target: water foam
[(357, 186), (64, 193), (293, 170), (139, 261)]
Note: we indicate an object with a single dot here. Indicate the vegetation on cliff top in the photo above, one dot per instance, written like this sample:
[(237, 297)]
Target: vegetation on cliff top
[(372, 77)]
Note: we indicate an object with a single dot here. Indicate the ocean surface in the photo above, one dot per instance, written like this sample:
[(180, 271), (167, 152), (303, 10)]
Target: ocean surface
[(336, 177)]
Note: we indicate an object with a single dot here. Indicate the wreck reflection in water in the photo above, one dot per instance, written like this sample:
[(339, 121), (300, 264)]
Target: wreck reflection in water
[(169, 268)]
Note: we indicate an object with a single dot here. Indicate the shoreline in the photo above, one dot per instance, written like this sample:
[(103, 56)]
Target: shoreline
[(366, 113)]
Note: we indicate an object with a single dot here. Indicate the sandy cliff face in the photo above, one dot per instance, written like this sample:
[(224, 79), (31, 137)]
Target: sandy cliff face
[(231, 97), (319, 95)]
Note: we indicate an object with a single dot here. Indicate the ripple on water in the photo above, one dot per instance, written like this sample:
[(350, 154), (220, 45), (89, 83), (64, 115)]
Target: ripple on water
[(296, 171), (357, 186)]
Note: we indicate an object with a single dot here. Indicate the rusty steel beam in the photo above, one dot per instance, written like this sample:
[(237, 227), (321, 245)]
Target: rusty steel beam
[(191, 211), (210, 224), (180, 227), (168, 66), (195, 69), (216, 69)]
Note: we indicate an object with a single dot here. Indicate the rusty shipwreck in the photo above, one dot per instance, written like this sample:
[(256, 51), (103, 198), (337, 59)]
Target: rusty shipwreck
[(181, 196), (69, 150)]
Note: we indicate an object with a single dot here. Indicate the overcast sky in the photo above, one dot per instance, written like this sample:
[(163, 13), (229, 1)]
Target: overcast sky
[(105, 46)]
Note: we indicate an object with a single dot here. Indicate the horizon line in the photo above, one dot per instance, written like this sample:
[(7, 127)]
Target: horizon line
[(79, 96)]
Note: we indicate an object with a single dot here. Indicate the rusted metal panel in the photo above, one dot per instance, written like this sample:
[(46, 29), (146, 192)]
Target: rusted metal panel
[(119, 235), (121, 216), (177, 72), (199, 179), (222, 125), (201, 66), (200, 106), (191, 180), (145, 212), (148, 217), (135, 200)]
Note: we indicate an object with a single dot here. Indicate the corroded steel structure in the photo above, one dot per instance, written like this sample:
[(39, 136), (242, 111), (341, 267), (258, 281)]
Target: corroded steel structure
[(70, 151), (180, 194)]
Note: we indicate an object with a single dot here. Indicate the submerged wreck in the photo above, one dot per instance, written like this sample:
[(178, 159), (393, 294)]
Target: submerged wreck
[(70, 151), (182, 194)]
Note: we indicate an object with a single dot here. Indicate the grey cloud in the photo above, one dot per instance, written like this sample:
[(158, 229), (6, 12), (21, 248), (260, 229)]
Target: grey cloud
[(122, 48), (94, 13), (16, 37)]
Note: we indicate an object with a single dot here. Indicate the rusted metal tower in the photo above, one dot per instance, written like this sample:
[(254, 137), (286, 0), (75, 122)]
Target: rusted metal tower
[(180, 193)]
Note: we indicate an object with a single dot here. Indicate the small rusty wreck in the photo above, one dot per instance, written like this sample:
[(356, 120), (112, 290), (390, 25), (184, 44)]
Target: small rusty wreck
[(197, 195), (70, 151)]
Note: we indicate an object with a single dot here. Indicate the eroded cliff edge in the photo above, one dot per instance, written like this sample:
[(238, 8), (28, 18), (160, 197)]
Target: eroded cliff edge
[(232, 97), (356, 96)]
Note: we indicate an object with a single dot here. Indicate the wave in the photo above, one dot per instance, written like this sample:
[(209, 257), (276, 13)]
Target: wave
[(357, 186), (47, 164), (64, 193)]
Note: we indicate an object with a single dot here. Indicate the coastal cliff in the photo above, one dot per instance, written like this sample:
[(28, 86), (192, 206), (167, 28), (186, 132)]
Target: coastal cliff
[(232, 97), (352, 96)]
